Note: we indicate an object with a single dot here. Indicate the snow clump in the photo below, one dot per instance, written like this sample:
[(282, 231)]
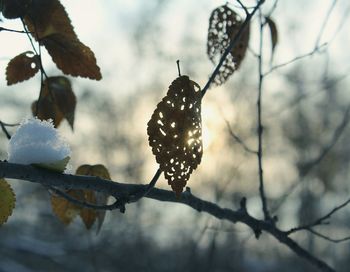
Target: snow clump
[(37, 141)]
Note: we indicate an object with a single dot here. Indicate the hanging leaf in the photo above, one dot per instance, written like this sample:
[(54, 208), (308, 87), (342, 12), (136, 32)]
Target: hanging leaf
[(175, 132), (274, 34), (71, 56), (7, 201), (65, 210), (22, 67), (89, 215), (224, 24), (46, 17), (57, 101)]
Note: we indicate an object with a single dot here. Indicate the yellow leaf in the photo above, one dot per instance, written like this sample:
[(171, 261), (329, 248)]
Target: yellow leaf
[(7, 201), (65, 210), (175, 132), (22, 67), (89, 215)]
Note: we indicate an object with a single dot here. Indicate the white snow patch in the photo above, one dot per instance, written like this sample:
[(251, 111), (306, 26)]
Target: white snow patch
[(37, 141)]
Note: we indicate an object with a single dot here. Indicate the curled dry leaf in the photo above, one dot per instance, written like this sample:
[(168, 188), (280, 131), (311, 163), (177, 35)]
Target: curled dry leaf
[(22, 67), (57, 101), (7, 201), (224, 24), (88, 215), (175, 132), (71, 56), (274, 33)]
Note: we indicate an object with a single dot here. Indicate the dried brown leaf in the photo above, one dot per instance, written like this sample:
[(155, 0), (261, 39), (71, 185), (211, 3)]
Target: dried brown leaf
[(224, 24), (175, 132), (274, 33), (57, 101), (72, 56), (22, 67), (46, 17)]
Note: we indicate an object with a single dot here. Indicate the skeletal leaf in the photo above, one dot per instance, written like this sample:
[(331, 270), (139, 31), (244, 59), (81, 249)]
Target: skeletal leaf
[(65, 210), (274, 33), (175, 132), (88, 215), (224, 25), (7, 201), (71, 56), (57, 101), (22, 67)]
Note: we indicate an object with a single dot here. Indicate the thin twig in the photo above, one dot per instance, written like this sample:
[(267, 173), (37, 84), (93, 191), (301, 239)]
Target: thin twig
[(260, 124), (324, 23), (341, 240), (239, 140), (319, 221), (4, 129), (84, 204), (300, 57), (12, 30)]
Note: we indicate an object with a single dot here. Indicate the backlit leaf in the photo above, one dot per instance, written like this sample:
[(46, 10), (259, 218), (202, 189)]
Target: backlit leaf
[(88, 215), (57, 101), (175, 132), (65, 210), (7, 201), (46, 17), (72, 56), (274, 33), (224, 24), (22, 67)]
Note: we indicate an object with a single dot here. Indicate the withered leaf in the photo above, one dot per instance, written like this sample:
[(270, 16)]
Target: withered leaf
[(274, 33), (224, 24), (46, 17), (88, 215), (175, 132), (65, 210), (57, 101), (7, 201), (22, 67), (72, 56)]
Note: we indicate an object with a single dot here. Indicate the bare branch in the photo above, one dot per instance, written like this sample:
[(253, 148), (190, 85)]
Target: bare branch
[(319, 221), (259, 124), (122, 190), (324, 23), (341, 240), (300, 57), (239, 140)]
